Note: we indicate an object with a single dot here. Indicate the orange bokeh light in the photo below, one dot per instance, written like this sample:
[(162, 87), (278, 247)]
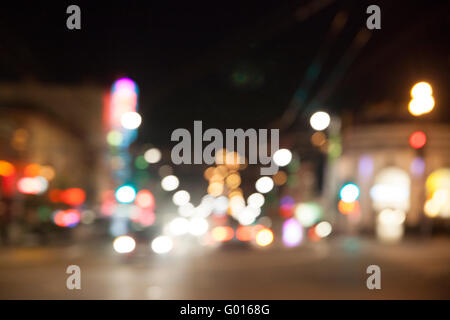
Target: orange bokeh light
[(348, 207), (6, 169), (32, 170), (55, 195), (73, 196)]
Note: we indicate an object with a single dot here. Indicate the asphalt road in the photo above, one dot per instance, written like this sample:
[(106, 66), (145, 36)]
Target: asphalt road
[(329, 270)]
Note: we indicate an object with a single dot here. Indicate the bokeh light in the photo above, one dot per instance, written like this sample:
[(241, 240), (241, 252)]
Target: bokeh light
[(145, 199), (152, 155), (198, 226), (417, 139), (131, 120), (162, 244), (222, 233), (320, 120), (349, 192), (124, 244), (323, 229), (170, 183), (264, 184), (73, 196), (179, 226), (308, 213), (6, 168), (292, 233), (125, 194), (181, 197), (282, 157), (264, 237), (255, 200)]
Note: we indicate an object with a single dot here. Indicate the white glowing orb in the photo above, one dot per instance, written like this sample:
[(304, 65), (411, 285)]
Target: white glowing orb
[(179, 226), (255, 200), (124, 244), (264, 184), (323, 229), (320, 120), (162, 244), (349, 193), (282, 157), (186, 210), (152, 155), (170, 183), (125, 194), (198, 226), (220, 205), (131, 120), (421, 89), (181, 197)]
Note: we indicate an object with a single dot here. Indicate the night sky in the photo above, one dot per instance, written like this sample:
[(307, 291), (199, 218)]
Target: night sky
[(232, 64)]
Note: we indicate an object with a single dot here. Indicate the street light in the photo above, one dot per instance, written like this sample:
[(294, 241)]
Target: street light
[(422, 101), (320, 120)]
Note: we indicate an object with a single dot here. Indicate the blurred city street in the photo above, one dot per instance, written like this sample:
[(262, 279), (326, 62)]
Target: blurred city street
[(248, 150), (337, 270)]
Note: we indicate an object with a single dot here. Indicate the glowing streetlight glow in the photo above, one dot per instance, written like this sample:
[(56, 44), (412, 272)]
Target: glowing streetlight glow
[(152, 155), (423, 101), (181, 197), (349, 192), (264, 184), (292, 233), (255, 200), (282, 157), (131, 120), (320, 120), (179, 226), (162, 244), (125, 194), (124, 244), (323, 229), (421, 89), (198, 226), (264, 237), (170, 183)]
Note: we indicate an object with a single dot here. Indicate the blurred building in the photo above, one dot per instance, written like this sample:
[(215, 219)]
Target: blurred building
[(398, 167), (58, 127)]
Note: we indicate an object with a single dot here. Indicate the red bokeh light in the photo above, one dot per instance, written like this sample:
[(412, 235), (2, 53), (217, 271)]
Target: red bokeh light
[(145, 199), (417, 139)]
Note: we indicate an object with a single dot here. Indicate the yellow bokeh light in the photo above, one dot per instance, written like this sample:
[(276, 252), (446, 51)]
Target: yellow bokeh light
[(421, 105), (208, 173), (422, 99), (47, 172), (264, 237), (233, 180), (215, 189), (280, 178), (432, 208), (421, 89)]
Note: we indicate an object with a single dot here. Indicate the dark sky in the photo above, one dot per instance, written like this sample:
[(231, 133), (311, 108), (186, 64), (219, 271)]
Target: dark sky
[(231, 64)]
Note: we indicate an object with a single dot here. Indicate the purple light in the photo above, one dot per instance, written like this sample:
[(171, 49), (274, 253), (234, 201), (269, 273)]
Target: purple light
[(287, 202), (124, 84), (365, 166), (292, 233), (417, 166)]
